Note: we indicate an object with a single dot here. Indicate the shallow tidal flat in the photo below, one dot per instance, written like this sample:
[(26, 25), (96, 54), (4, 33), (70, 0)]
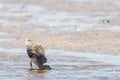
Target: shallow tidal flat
[(81, 39), (97, 40)]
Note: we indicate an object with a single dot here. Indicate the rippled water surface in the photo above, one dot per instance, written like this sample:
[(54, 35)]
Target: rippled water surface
[(52, 17), (66, 65), (25, 15)]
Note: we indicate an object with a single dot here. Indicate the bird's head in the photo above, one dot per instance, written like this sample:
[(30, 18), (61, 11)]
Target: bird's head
[(46, 67)]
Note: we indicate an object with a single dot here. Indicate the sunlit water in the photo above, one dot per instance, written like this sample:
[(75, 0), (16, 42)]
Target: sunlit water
[(27, 15), (66, 65)]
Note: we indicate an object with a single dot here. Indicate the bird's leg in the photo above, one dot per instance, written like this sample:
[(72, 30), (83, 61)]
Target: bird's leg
[(31, 65)]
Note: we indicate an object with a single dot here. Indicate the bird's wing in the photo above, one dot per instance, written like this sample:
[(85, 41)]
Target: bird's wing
[(39, 49), (41, 59)]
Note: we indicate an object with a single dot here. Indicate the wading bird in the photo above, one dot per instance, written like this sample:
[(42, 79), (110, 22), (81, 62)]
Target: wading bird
[(36, 54)]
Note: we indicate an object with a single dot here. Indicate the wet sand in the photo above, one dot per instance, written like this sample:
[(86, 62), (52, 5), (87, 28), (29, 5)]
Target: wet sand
[(97, 40), (66, 65), (76, 30), (70, 31)]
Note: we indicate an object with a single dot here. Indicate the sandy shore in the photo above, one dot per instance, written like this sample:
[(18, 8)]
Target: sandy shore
[(98, 39), (79, 43)]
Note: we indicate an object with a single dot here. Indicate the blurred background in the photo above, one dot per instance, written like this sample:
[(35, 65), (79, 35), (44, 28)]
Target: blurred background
[(83, 35), (94, 25)]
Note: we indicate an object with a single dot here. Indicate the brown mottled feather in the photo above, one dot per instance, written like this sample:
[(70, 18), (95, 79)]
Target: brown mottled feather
[(36, 53)]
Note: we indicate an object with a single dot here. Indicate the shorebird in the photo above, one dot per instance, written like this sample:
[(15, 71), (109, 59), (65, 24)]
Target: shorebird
[(106, 21), (37, 55)]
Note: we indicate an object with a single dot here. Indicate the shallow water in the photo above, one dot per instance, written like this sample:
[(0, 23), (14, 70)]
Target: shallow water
[(60, 21), (66, 65), (51, 18)]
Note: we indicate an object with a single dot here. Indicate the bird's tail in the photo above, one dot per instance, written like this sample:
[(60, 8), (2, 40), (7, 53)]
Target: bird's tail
[(28, 42)]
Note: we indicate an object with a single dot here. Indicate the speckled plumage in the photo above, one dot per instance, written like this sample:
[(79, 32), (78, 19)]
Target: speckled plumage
[(36, 54)]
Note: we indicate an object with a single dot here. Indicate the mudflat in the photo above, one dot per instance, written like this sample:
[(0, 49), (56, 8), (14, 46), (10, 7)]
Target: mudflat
[(81, 38)]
